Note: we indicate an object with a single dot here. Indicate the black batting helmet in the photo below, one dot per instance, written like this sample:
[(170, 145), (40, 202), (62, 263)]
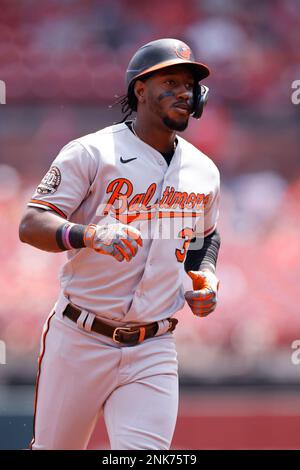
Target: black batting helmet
[(163, 53)]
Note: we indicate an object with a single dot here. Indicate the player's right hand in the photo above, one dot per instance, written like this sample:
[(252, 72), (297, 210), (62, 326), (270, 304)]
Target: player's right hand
[(117, 240)]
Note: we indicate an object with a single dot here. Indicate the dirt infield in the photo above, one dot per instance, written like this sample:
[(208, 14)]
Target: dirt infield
[(231, 421)]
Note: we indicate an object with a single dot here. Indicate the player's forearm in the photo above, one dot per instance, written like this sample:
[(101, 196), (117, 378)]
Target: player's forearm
[(205, 258), (38, 228), (49, 232)]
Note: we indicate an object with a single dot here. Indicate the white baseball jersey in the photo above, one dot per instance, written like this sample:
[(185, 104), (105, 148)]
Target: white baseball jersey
[(110, 176)]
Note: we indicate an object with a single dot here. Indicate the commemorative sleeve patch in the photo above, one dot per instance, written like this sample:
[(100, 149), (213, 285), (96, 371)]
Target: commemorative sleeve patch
[(50, 182)]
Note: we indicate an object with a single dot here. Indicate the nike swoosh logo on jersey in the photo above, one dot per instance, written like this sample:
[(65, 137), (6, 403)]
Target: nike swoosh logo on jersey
[(128, 160)]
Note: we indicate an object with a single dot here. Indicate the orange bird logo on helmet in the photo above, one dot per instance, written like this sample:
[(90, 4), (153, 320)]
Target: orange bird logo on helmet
[(183, 52)]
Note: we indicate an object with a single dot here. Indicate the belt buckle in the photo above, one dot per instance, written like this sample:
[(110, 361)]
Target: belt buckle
[(116, 332)]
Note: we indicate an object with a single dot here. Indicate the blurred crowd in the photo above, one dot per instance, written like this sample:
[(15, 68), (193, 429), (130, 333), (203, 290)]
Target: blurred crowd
[(63, 62), (62, 53), (77, 50)]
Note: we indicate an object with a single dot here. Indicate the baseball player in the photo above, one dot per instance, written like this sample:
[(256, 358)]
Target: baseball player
[(135, 206)]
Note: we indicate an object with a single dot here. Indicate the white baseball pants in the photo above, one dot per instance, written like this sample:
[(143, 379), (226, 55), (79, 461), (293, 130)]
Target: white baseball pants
[(83, 374)]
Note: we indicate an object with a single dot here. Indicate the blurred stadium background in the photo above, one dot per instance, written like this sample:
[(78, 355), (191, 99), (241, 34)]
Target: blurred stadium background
[(63, 62)]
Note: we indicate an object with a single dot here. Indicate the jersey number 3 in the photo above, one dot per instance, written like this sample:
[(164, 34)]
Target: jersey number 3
[(187, 234)]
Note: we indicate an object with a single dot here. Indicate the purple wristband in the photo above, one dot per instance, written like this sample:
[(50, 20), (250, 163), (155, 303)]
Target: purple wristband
[(65, 236)]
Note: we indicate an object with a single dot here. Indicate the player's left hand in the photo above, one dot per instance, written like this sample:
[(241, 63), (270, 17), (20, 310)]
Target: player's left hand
[(203, 299)]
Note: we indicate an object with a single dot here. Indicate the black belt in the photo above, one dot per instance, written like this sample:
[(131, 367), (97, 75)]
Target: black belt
[(131, 335)]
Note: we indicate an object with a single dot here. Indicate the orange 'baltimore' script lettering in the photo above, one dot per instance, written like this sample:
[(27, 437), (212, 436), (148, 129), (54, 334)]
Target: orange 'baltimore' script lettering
[(121, 190)]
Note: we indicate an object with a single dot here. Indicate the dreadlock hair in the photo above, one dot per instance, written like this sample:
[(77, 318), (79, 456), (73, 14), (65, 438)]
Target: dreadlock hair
[(128, 102), (125, 107)]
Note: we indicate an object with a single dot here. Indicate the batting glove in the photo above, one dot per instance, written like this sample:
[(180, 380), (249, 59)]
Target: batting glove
[(203, 299), (117, 240)]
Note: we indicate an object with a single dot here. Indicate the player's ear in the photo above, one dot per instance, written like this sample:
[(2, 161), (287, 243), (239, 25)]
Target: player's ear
[(139, 91)]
